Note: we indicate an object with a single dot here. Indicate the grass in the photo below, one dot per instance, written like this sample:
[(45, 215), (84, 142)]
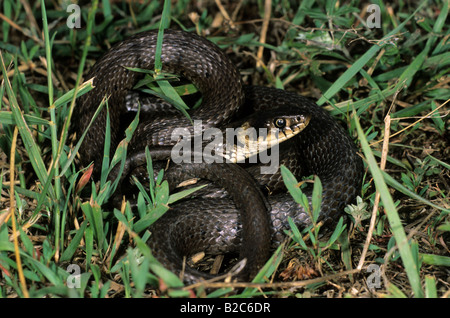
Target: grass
[(390, 85)]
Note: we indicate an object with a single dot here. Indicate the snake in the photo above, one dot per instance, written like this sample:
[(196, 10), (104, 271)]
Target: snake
[(244, 220)]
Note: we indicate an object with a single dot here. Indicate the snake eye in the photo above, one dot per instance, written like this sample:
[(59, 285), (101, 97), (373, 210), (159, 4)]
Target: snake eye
[(280, 122)]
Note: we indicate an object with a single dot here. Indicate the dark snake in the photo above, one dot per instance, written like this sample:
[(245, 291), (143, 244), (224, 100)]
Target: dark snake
[(214, 225)]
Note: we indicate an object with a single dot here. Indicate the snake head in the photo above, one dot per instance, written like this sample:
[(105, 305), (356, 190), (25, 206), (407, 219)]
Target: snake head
[(280, 124), (263, 130)]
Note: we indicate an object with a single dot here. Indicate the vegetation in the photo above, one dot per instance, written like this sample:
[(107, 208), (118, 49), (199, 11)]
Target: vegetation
[(388, 83)]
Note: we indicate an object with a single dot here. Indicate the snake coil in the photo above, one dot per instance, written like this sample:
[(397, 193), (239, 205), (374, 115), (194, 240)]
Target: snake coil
[(323, 148)]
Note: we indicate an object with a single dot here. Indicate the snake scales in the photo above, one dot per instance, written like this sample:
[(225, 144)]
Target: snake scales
[(323, 148)]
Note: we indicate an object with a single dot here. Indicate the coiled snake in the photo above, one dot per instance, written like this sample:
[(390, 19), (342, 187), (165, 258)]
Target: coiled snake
[(323, 148)]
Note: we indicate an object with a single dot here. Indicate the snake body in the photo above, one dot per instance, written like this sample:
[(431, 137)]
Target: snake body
[(323, 148)]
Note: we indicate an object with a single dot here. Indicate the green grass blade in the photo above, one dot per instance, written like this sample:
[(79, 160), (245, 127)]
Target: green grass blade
[(170, 95), (442, 163), (164, 24), (78, 90), (295, 234), (53, 277), (80, 140), (182, 194), (430, 287), (411, 267), (73, 245), (265, 272), (363, 60), (151, 183), (94, 215), (7, 118), (106, 149), (25, 132), (316, 200), (438, 260), (292, 185), (398, 186), (67, 97)]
